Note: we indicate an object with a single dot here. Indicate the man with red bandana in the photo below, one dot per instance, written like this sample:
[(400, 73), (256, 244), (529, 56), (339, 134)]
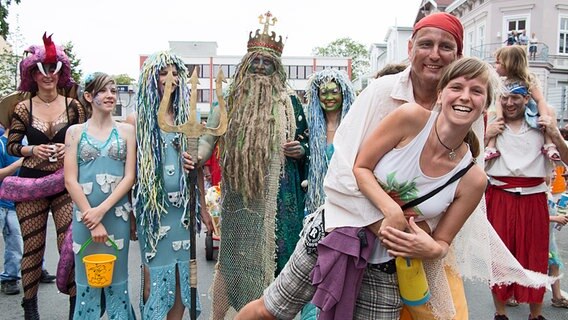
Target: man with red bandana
[(437, 40)]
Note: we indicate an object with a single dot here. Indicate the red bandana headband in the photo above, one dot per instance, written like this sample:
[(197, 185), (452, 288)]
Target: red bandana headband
[(443, 21)]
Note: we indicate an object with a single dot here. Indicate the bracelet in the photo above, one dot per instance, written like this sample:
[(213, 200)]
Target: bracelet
[(32, 151)]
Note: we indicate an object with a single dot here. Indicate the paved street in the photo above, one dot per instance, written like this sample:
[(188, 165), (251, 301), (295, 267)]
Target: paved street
[(54, 306)]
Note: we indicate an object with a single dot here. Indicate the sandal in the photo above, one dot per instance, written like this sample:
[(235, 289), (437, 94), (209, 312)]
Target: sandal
[(512, 302), (560, 303), (491, 153), (551, 152)]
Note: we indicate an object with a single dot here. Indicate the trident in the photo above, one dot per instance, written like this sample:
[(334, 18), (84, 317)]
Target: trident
[(192, 130)]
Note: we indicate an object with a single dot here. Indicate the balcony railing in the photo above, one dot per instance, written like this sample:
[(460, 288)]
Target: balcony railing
[(487, 52)]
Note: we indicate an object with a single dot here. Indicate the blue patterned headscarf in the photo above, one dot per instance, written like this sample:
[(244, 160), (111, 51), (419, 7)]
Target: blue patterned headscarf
[(318, 130), (517, 88)]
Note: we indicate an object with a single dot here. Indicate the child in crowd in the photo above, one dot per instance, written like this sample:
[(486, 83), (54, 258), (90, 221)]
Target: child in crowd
[(558, 217), (511, 62), (13, 243), (100, 168), (554, 260)]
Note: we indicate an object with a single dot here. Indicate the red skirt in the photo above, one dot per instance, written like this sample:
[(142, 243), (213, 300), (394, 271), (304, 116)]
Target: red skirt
[(522, 222)]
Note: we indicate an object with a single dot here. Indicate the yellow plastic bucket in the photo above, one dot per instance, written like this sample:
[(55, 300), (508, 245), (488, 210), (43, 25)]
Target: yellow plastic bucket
[(99, 266)]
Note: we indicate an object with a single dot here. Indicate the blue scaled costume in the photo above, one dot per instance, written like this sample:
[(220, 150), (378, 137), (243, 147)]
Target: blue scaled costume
[(161, 193), (101, 168)]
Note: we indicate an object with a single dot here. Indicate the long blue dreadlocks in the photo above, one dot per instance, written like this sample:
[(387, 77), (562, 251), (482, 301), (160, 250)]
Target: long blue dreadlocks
[(318, 130), (150, 195)]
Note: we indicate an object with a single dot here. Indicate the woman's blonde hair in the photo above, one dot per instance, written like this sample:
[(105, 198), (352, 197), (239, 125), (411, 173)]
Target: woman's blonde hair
[(514, 61)]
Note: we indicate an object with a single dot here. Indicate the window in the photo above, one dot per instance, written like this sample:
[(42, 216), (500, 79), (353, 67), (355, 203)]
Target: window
[(517, 24), (301, 72), (478, 49), (205, 71), (309, 71), (228, 70), (513, 26), (469, 41), (481, 35), (293, 72), (563, 41), (232, 71), (203, 95)]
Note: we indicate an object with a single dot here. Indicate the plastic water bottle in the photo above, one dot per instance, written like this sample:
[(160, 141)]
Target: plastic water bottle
[(412, 281), (561, 209)]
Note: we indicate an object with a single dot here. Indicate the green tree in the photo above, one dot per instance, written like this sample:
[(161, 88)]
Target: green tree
[(8, 72), (4, 26), (9, 62), (123, 78), (76, 72), (346, 47)]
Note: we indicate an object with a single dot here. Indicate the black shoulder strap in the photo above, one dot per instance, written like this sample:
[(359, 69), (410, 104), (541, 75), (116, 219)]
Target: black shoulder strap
[(427, 196), (30, 119)]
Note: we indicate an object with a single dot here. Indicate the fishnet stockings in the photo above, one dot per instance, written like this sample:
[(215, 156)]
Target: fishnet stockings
[(33, 223)]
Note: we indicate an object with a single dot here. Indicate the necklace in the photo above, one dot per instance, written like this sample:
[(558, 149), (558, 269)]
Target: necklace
[(452, 154), (47, 102)]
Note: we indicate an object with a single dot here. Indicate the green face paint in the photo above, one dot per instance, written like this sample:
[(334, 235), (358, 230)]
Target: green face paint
[(262, 65), (330, 96)]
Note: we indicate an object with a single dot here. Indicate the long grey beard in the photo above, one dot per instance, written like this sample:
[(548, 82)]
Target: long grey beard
[(251, 139)]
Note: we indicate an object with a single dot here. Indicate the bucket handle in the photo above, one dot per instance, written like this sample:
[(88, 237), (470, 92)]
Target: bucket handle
[(88, 242)]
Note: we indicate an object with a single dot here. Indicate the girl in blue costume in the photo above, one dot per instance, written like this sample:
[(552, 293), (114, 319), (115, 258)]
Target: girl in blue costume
[(330, 95), (100, 166), (161, 192)]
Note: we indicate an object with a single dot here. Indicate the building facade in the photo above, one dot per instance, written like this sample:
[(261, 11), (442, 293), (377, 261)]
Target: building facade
[(489, 23), (203, 55), (394, 49)]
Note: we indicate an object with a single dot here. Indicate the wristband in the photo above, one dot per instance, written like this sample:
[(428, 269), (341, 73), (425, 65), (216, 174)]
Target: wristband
[(32, 151)]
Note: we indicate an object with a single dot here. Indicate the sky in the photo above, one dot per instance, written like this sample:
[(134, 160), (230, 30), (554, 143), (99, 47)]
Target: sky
[(110, 35)]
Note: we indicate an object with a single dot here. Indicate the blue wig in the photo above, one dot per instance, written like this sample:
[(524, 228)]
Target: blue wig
[(151, 197), (318, 130)]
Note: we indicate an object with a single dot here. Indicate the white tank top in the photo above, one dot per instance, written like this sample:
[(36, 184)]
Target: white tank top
[(400, 175), (520, 157)]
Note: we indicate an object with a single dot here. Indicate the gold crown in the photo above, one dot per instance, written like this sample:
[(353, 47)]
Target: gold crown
[(265, 41)]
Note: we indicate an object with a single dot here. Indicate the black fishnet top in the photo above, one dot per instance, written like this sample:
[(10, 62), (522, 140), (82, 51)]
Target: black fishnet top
[(41, 132)]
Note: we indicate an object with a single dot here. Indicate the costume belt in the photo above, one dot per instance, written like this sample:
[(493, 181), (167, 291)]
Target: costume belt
[(517, 182)]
